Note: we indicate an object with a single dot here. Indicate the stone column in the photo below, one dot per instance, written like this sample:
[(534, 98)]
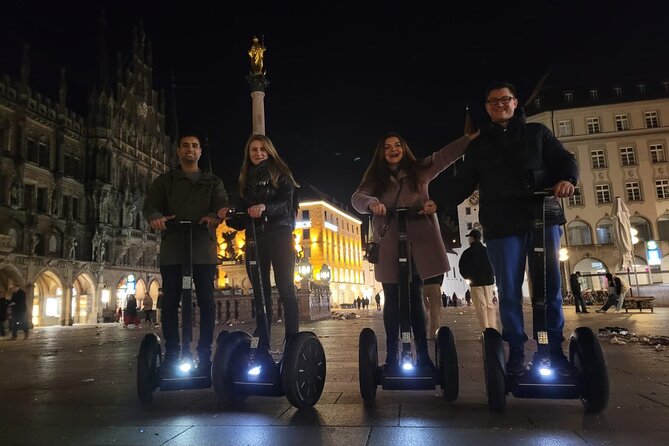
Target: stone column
[(258, 83)]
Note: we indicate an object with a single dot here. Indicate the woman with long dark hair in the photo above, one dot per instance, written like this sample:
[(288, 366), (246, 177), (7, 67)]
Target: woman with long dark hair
[(266, 193), (395, 178)]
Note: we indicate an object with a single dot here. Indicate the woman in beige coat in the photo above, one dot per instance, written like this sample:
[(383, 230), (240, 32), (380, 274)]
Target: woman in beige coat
[(395, 178)]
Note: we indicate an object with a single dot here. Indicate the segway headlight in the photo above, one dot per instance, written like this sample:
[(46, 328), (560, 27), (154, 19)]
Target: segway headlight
[(254, 371), (545, 371), (185, 367), (407, 366)]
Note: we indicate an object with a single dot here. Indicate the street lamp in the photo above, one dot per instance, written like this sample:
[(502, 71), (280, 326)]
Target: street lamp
[(325, 274), (304, 268)]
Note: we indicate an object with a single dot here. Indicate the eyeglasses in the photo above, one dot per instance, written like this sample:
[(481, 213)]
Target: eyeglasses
[(503, 100)]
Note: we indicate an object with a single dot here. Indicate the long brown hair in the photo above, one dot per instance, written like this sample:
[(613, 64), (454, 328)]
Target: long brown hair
[(377, 176), (278, 169)]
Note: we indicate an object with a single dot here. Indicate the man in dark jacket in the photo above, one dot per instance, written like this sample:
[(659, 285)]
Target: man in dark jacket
[(510, 156), (576, 291), (475, 267), (187, 193), (19, 312)]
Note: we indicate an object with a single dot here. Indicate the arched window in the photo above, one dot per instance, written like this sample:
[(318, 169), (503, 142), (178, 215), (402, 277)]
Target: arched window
[(578, 233), (642, 226), (663, 226), (53, 244), (604, 231)]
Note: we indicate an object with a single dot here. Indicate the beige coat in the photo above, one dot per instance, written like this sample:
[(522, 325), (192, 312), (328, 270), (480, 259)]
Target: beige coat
[(425, 243)]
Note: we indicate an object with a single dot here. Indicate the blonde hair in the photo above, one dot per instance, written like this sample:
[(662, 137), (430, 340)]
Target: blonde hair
[(278, 169)]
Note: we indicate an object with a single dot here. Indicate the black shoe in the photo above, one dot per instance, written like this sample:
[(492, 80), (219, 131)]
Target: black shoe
[(601, 311), (423, 360), (516, 363), (579, 311), (585, 311), (561, 364)]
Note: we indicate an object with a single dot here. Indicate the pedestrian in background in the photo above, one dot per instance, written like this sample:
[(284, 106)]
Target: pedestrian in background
[(575, 285), (19, 308), (475, 267)]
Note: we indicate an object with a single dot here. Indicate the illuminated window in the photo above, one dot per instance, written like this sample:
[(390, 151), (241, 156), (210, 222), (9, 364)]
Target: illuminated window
[(598, 158), (593, 125), (603, 193), (622, 123), (577, 198), (657, 154), (627, 156), (662, 188), (651, 119), (565, 128), (633, 191)]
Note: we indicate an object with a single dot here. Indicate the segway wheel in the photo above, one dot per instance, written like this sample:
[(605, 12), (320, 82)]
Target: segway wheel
[(303, 370), (447, 357), (148, 361), (585, 353), (494, 366), (232, 352), (368, 360)]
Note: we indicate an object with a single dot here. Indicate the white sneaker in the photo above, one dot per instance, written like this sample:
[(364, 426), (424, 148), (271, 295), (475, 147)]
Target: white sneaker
[(617, 310)]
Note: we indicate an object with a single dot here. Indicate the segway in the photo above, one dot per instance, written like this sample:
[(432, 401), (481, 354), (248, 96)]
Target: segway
[(407, 375), (590, 383), (244, 366), (152, 371)]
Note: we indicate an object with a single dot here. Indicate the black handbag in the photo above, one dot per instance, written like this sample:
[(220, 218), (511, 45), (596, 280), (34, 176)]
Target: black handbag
[(372, 252)]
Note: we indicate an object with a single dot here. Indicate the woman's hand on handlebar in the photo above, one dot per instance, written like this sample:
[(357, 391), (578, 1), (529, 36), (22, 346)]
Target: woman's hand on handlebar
[(429, 208), (223, 213), (563, 189), (378, 209), (256, 210), (158, 224)]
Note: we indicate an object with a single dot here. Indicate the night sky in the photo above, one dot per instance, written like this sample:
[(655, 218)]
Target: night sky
[(342, 74)]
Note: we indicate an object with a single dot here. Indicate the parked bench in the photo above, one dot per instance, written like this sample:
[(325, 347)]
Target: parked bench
[(639, 302)]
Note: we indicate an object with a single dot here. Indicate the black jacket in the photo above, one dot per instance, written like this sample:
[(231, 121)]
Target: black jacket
[(280, 206), (524, 156), (475, 266), (574, 284)]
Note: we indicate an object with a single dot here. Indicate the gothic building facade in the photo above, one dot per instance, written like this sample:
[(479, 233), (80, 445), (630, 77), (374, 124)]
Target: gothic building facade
[(72, 188)]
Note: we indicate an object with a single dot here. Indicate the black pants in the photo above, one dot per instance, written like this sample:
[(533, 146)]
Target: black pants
[(579, 302), (203, 276), (612, 300), (275, 248), (391, 314)]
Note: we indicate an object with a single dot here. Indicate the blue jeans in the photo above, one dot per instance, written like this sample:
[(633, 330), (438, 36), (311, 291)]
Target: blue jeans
[(507, 257)]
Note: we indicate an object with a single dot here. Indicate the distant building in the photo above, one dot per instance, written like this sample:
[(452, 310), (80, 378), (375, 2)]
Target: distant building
[(618, 132), (72, 191)]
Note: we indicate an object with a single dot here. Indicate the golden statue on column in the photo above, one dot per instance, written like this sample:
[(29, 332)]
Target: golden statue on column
[(256, 53)]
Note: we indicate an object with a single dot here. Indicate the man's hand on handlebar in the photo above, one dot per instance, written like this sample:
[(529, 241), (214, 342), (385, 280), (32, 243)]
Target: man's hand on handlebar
[(563, 189), (158, 224)]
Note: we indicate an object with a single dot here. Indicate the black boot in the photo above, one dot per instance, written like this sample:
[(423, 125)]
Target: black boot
[(559, 361), (391, 353), (516, 363), (422, 355)]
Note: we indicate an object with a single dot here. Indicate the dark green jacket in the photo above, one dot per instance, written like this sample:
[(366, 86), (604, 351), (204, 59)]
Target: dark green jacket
[(172, 193)]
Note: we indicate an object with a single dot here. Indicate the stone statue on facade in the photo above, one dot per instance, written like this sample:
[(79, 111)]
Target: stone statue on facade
[(32, 246), (72, 253), (257, 53)]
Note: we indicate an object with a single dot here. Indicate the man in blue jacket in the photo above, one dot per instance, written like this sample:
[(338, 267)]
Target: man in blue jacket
[(510, 156)]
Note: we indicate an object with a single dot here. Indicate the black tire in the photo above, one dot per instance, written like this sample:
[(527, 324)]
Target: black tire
[(368, 361), (586, 354), (303, 370), (148, 361), (447, 360), (232, 353), (494, 366)]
